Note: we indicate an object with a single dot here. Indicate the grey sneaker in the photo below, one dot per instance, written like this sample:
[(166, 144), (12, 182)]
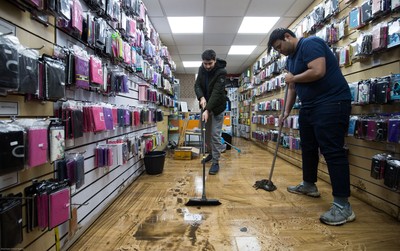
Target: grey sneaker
[(300, 189), (338, 215)]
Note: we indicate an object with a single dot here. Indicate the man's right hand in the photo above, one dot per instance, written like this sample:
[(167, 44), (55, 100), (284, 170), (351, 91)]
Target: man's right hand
[(282, 118)]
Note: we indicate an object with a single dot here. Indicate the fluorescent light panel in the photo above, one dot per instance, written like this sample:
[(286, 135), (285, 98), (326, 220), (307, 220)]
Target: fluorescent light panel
[(186, 24), (241, 49), (256, 25), (189, 64)]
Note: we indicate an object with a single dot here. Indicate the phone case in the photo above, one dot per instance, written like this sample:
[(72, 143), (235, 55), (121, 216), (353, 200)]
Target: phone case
[(392, 174), (61, 169), (59, 207), (96, 71), (81, 72), (12, 154), (98, 119), (10, 223), (42, 210), (57, 143), (37, 147), (108, 118), (71, 167), (80, 171)]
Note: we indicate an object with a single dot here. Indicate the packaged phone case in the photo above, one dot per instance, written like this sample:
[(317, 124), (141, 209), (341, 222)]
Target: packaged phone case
[(10, 221), (57, 143), (29, 72), (9, 69), (37, 146), (12, 151), (392, 174), (59, 207)]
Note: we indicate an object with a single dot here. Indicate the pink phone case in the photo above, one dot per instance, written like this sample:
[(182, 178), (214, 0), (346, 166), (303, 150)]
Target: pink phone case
[(59, 207), (37, 147)]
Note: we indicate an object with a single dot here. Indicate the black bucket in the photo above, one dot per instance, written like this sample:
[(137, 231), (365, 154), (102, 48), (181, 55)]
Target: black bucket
[(154, 162)]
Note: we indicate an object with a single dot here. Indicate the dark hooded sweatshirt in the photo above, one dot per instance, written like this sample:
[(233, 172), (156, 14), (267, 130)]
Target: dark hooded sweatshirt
[(211, 86)]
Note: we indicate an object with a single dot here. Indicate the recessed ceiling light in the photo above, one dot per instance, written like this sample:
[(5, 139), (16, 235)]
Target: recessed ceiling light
[(186, 24), (188, 64), (241, 49), (257, 24)]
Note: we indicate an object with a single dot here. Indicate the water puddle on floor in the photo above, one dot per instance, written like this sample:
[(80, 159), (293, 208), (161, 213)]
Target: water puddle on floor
[(161, 225)]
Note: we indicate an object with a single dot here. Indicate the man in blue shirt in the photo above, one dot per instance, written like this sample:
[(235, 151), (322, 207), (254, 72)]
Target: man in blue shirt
[(315, 77)]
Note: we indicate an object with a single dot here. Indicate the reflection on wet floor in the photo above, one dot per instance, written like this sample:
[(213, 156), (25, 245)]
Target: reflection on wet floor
[(156, 226)]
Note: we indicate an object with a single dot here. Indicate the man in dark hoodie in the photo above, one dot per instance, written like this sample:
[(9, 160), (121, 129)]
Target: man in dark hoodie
[(210, 91)]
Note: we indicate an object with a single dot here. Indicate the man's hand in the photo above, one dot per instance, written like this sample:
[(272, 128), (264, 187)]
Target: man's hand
[(203, 103), (282, 118), (289, 78), (204, 117)]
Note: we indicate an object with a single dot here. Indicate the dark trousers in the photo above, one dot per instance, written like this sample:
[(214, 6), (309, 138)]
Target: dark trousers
[(324, 127)]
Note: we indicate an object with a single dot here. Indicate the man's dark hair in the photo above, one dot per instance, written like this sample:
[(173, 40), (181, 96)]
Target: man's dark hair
[(209, 55), (278, 34)]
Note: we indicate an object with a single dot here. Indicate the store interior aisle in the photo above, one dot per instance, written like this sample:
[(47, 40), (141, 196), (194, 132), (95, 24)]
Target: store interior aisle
[(151, 213)]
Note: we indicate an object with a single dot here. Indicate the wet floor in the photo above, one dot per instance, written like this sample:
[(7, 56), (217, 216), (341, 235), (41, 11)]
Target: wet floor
[(151, 213)]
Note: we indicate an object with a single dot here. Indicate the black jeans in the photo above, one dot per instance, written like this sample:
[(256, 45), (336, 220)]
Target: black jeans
[(325, 127)]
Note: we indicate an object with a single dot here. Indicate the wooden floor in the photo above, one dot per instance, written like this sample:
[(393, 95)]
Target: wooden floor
[(151, 213)]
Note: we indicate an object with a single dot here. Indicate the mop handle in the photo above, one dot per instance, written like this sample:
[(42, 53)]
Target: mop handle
[(232, 146), (279, 133), (203, 134)]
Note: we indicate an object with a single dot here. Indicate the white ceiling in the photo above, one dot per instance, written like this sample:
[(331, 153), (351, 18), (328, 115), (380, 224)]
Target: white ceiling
[(222, 19)]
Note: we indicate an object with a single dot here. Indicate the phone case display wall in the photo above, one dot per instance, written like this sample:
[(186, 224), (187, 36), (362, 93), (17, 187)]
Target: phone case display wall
[(86, 113)]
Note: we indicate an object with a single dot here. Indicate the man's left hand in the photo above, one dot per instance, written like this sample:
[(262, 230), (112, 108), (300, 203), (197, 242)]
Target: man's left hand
[(289, 78), (204, 117)]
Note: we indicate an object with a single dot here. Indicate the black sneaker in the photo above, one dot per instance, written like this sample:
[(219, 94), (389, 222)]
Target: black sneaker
[(207, 159), (214, 169)]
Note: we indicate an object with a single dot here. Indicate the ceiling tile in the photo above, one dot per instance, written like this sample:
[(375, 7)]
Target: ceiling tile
[(258, 51), (269, 8), (178, 60), (230, 8), (161, 24), (219, 49), (173, 49), (179, 8), (191, 49), (167, 38), (298, 7), (153, 8), (245, 39), (218, 39), (222, 24), (236, 60), (188, 39), (282, 23), (191, 57)]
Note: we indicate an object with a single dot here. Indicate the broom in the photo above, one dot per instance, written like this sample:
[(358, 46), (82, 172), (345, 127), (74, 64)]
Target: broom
[(268, 185), (203, 201)]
